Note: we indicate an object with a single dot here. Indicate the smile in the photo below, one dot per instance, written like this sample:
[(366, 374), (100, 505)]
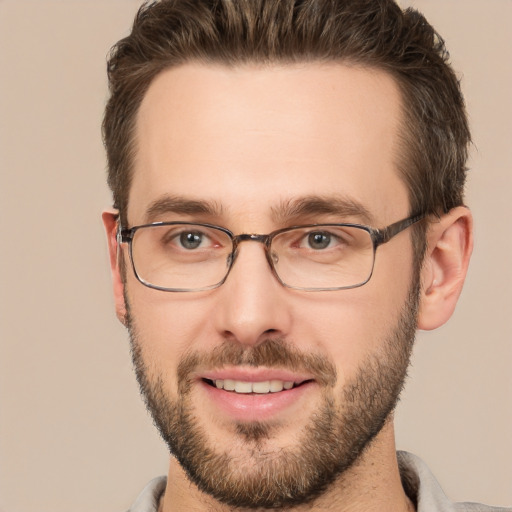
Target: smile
[(259, 387), (248, 394)]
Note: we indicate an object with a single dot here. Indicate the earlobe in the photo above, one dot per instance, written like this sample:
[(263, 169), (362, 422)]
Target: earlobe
[(110, 222), (449, 247)]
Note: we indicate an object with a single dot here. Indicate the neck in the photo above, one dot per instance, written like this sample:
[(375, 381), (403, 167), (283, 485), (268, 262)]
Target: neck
[(372, 484)]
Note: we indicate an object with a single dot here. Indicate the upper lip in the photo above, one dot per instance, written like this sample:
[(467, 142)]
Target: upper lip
[(250, 374)]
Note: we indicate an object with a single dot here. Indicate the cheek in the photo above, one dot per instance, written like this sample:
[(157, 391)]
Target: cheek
[(350, 325), (167, 326), (345, 329)]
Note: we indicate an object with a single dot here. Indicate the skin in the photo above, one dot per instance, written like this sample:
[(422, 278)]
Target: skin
[(250, 139)]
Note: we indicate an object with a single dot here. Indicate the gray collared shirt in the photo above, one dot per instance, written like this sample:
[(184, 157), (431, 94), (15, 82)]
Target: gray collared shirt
[(419, 484)]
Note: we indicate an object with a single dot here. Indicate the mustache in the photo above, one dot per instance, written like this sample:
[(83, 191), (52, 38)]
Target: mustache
[(271, 353)]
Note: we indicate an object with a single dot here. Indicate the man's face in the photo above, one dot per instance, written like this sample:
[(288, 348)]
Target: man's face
[(262, 148)]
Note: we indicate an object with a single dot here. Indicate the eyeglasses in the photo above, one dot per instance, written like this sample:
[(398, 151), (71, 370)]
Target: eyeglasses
[(186, 257)]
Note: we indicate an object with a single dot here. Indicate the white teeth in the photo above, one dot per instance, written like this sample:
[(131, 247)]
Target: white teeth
[(261, 387), (239, 386), (276, 386), (229, 385), (243, 387)]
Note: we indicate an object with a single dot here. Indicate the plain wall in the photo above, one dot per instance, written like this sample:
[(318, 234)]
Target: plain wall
[(74, 434)]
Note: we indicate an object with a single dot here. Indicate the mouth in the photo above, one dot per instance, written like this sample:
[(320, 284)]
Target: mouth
[(254, 387), (248, 394)]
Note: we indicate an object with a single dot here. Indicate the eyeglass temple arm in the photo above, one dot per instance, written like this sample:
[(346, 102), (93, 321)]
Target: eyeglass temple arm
[(381, 236), (123, 235)]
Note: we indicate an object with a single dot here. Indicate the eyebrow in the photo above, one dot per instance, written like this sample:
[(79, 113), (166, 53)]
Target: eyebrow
[(307, 206), (180, 205), (289, 211)]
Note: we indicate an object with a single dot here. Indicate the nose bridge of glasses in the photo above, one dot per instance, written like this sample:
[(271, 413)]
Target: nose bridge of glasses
[(251, 237)]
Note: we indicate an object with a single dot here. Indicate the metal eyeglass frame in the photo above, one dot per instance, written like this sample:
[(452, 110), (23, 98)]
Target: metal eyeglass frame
[(378, 237)]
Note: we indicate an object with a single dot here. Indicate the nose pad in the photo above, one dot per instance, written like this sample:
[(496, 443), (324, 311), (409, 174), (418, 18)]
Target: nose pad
[(272, 260), (231, 258), (271, 256)]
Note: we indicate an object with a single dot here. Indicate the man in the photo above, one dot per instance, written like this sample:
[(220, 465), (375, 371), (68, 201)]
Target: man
[(288, 181)]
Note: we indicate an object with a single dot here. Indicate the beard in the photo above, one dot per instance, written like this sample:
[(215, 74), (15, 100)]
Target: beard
[(331, 441)]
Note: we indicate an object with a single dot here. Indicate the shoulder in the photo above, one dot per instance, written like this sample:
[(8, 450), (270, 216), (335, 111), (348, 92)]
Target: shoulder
[(423, 489), (479, 507), (148, 499)]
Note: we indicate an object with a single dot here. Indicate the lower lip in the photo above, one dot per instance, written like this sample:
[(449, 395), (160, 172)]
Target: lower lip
[(253, 406)]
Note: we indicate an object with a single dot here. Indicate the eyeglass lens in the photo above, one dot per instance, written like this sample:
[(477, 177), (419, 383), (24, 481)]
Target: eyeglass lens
[(194, 257)]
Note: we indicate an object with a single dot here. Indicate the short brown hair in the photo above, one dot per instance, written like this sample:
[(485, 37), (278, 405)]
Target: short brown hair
[(373, 33)]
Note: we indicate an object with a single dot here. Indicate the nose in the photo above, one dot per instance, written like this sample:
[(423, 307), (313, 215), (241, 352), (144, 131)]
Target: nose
[(252, 305)]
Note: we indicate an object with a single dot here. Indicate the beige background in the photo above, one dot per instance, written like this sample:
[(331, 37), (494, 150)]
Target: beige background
[(73, 432)]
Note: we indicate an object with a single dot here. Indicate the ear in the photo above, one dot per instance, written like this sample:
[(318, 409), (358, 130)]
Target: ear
[(449, 247), (110, 221)]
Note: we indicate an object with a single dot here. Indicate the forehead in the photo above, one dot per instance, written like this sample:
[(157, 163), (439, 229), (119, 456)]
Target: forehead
[(247, 138)]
